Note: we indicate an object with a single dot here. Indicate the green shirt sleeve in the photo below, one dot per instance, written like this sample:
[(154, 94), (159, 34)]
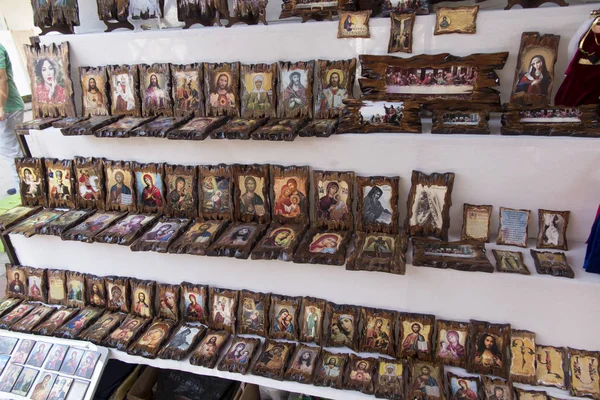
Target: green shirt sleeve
[(2, 58)]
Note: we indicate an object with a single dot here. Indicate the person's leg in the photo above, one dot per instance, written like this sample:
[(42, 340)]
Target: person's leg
[(9, 145)]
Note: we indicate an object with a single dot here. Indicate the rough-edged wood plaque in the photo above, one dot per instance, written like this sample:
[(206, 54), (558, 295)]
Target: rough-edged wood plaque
[(208, 350), (551, 121), (460, 121), (333, 198), (248, 12), (389, 380), (378, 332), (272, 361), (68, 122), (378, 252), (215, 192), (401, 32), (377, 209), (584, 378), (238, 128), (184, 339), (94, 93), (123, 127), (451, 343), (415, 339), (89, 183), (117, 292), (463, 386), (456, 20), (33, 224), (253, 315), (459, 255), (65, 222), (49, 69), (16, 314), (552, 263), (283, 317), (488, 348), (198, 237), (342, 326), (15, 215), (89, 126), (289, 194), (126, 332), (27, 323), (197, 128), (466, 80), (534, 73), (551, 366), (426, 380), (303, 364), (222, 89), (142, 297), (321, 246), (335, 83), (151, 341), (32, 185), (92, 226), (513, 227), (237, 241), (223, 308), (181, 197), (354, 24), (476, 222), (552, 231), (114, 14), (522, 356), (149, 179), (167, 301), (317, 10), (127, 230), (319, 128), (61, 185), (97, 332), (428, 205), (360, 374), (57, 286), (239, 355), (160, 127), (188, 97), (36, 284), (510, 261), (120, 186), (59, 16), (194, 304), (161, 235), (124, 90), (55, 321), (38, 124), (497, 388), (258, 90), (251, 198), (294, 94), (331, 369), (279, 243), (16, 281), (81, 321), (522, 394), (155, 90), (280, 129), (310, 320), (196, 12), (76, 289), (373, 116)]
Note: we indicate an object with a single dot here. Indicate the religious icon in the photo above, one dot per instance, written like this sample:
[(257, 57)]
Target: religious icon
[(289, 194), (199, 236), (149, 180), (534, 74), (522, 394), (390, 380), (354, 24), (451, 346), (223, 309), (456, 20), (343, 326), (195, 302), (552, 263), (51, 85), (120, 187), (18, 313), (239, 355), (552, 229), (252, 184), (124, 127), (333, 199), (161, 235), (416, 336), (10, 377), (15, 215), (310, 320), (92, 226), (32, 186), (187, 89), (87, 365), (117, 291), (142, 298), (335, 84), (303, 364), (283, 317), (513, 227), (207, 352), (237, 241), (426, 381), (153, 338), (510, 261), (124, 90), (61, 387), (42, 388), (35, 223), (497, 389), (65, 222), (155, 82), (330, 370), (258, 90), (378, 331), (60, 183), (168, 301), (215, 191), (25, 381), (16, 278), (196, 12), (550, 366), (55, 321), (37, 315), (489, 348), (127, 230), (323, 247), (180, 184), (71, 361), (7, 344), (463, 388), (476, 222), (38, 354), (401, 32), (221, 89), (81, 321), (280, 242), (103, 327), (294, 98), (271, 362), (378, 204), (379, 252), (428, 205), (253, 313), (8, 304), (360, 374), (183, 340), (121, 337), (94, 96), (22, 352)]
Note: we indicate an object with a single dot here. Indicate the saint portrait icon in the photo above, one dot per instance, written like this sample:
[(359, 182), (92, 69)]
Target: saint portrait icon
[(221, 94), (123, 93), (334, 92)]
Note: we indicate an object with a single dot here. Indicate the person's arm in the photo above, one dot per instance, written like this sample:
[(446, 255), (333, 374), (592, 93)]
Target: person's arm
[(3, 91)]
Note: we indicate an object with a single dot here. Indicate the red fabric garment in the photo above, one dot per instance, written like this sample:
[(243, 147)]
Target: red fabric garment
[(581, 81)]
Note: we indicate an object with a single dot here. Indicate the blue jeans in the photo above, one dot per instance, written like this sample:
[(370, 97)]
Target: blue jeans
[(9, 145)]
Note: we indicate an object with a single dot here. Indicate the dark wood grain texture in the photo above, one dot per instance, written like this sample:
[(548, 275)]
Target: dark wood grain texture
[(459, 255)]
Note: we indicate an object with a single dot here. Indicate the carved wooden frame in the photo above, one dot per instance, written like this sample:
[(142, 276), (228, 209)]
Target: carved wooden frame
[(588, 125), (96, 165), (320, 128), (114, 11), (559, 351), (209, 361), (254, 69), (132, 72), (306, 110), (234, 365), (97, 332), (295, 374), (347, 68), (53, 165), (32, 225), (55, 321), (288, 9), (373, 80), (212, 72), (214, 293), (164, 290), (416, 319), (515, 347), (465, 228), (160, 127), (285, 302), (387, 390), (260, 368), (149, 110), (90, 126), (441, 127), (458, 327), (123, 343), (66, 221), (84, 232), (112, 235), (209, 16), (182, 69), (343, 33), (353, 121), (97, 73), (139, 349), (189, 131), (280, 129), (34, 317), (34, 55), (154, 170), (376, 181), (280, 172), (112, 167), (12, 269), (563, 232), (488, 382), (74, 276), (542, 269), (479, 329), (519, 258), (523, 394), (445, 12), (140, 285), (176, 353), (266, 249), (361, 385), (323, 380), (185, 245), (53, 17), (573, 365), (501, 236), (396, 21), (303, 334), (256, 171), (333, 176), (303, 254), (476, 379), (122, 284), (224, 246), (124, 127), (201, 291), (435, 179), (479, 262), (374, 314), (98, 281), (213, 171), (255, 298), (238, 128), (15, 215), (88, 315), (335, 312), (36, 167), (145, 244), (395, 263)]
